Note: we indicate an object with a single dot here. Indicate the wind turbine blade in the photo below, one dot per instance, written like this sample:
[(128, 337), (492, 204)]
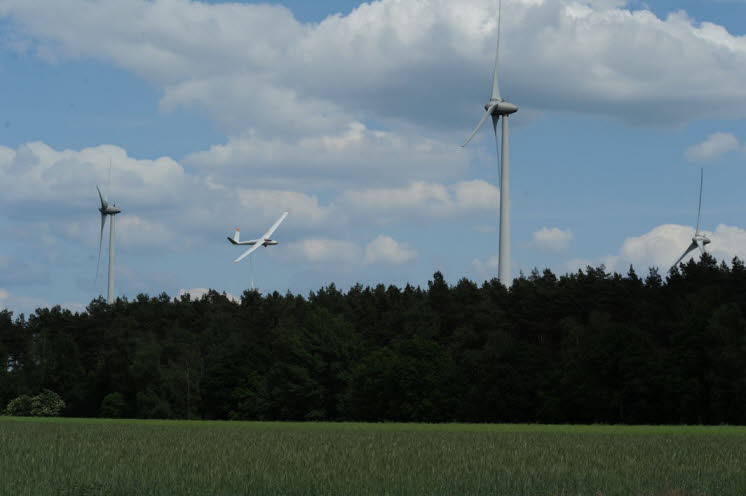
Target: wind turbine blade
[(108, 187), (495, 120), (248, 252), (495, 79), (692, 246), (479, 126), (275, 226), (104, 203), (100, 244), (701, 246), (699, 210)]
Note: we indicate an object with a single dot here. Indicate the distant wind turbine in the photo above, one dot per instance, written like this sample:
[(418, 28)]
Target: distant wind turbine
[(498, 107), (699, 240), (264, 240), (110, 211)]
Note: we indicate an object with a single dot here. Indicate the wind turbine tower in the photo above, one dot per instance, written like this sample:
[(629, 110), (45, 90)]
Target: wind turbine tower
[(498, 107), (107, 211)]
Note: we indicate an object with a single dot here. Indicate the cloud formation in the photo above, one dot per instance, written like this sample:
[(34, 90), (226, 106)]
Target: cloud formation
[(164, 205), (241, 62), (354, 156), (331, 253), (552, 239), (714, 147), (388, 251), (199, 293), (486, 269), (344, 255), (421, 200), (663, 245)]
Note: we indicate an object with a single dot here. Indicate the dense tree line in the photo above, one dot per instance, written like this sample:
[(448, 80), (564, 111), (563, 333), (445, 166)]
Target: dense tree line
[(584, 347)]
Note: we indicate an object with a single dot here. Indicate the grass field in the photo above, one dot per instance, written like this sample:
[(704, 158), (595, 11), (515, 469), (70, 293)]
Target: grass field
[(109, 457)]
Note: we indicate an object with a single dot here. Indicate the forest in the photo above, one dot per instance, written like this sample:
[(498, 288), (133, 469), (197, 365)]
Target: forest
[(585, 347)]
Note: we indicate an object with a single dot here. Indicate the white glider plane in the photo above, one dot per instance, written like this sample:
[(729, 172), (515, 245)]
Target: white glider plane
[(265, 240)]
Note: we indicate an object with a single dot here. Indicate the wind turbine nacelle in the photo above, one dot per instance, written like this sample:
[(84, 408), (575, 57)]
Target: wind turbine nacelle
[(699, 238), (501, 108), (110, 210)]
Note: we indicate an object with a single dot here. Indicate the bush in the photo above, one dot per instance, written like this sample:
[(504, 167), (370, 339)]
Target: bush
[(113, 406), (45, 404), (152, 406), (20, 407)]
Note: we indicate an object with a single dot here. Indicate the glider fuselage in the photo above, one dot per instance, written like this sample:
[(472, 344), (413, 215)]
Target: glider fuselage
[(265, 242)]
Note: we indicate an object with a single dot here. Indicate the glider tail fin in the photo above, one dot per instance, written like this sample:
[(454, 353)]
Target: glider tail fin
[(236, 237)]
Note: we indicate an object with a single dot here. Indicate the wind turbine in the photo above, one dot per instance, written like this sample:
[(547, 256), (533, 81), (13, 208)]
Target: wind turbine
[(110, 211), (264, 240), (699, 240), (498, 107)]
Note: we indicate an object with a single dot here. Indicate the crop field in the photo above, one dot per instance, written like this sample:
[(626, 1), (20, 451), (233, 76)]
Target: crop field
[(110, 457)]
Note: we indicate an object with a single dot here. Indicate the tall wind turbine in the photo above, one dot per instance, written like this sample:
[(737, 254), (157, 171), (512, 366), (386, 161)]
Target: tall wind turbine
[(110, 211), (498, 107), (699, 240)]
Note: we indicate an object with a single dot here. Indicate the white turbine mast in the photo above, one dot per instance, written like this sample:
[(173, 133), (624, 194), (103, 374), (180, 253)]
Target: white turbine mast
[(107, 210), (498, 107), (699, 240), (264, 240)]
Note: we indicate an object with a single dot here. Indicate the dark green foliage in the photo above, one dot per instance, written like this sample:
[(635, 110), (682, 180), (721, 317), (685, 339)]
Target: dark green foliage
[(114, 406), (588, 347)]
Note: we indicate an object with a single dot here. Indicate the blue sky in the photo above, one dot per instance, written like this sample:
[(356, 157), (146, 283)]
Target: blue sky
[(217, 116)]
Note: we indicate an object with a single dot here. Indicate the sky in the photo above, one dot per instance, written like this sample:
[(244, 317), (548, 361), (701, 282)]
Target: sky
[(350, 116)]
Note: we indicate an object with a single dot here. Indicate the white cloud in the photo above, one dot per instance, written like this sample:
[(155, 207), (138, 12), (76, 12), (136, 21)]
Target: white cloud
[(356, 155), (344, 255), (486, 269), (386, 250), (607, 4), (163, 205), (199, 293), (422, 199), (44, 175), (663, 245), (254, 67), (554, 239), (333, 253), (715, 146), (167, 207), (660, 247), (304, 210)]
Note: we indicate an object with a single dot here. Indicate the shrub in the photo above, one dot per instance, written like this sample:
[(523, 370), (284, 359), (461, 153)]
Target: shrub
[(20, 407), (45, 404), (113, 406)]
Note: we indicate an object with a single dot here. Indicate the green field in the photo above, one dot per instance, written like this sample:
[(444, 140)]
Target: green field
[(109, 457)]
